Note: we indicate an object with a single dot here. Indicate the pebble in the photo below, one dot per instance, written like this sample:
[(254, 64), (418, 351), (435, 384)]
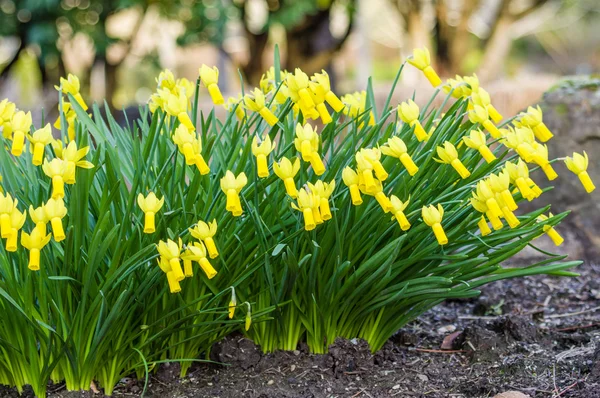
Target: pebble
[(397, 386), (512, 394), (446, 329), (270, 382), (292, 368)]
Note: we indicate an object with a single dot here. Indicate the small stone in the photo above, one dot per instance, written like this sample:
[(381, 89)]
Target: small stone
[(422, 377), (296, 352), (270, 382), (292, 368), (210, 384), (446, 329), (512, 394), (396, 387)]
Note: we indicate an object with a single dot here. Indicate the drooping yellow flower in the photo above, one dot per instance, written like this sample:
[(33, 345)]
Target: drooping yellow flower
[(522, 141), (17, 219), (231, 186), (184, 139), (578, 164), (20, 123), (55, 211), (256, 103), (71, 85), (73, 158), (448, 154), (150, 205), (286, 171), (197, 252), (373, 156), (500, 184), (509, 216), (477, 141), (486, 194), (396, 148), (323, 191), (299, 90), (232, 303), (306, 204), (70, 117), (39, 217), (177, 105), (38, 140), (34, 242), (7, 110), (421, 59), (166, 80), (533, 119), (433, 217), (261, 151), (409, 113), (56, 169), (355, 106), (319, 101), (482, 98), (351, 179), (365, 170), (210, 78), (540, 156), (379, 195), (480, 115), (550, 230), (323, 89), (205, 232), (519, 176), (480, 205), (457, 87), (170, 262), (7, 205), (398, 208), (483, 226), (307, 143), (233, 102)]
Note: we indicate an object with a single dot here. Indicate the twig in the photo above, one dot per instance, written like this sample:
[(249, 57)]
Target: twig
[(439, 351), (591, 325), (475, 318), (553, 316), (566, 389)]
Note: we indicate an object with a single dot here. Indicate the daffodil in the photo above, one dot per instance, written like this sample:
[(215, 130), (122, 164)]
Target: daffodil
[(7, 110), (150, 205), (7, 205), (449, 155), (522, 141), (509, 216), (398, 208), (20, 123), (55, 211), (231, 186), (477, 140), (365, 170), (70, 116), (170, 262), (177, 105), (433, 216), (578, 164), (355, 106), (38, 140), (184, 139), (550, 230), (71, 85), (487, 195), (319, 101), (540, 156), (482, 98), (232, 303), (17, 219), (500, 184), (396, 148), (533, 119), (205, 232), (34, 242), (256, 103), (351, 179), (210, 78), (299, 91), (480, 205), (373, 156), (323, 89), (248, 320), (73, 158), (235, 103), (56, 169), (480, 115), (421, 59), (307, 143), (483, 226), (379, 195), (306, 203), (39, 217), (197, 252), (409, 113), (519, 176), (261, 151), (286, 171), (323, 191)]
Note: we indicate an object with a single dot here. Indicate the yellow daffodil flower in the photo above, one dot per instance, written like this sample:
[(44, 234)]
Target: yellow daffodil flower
[(177, 105), (55, 211), (433, 217), (421, 59), (306, 204), (500, 184), (73, 158), (256, 103), (205, 232), (70, 117), (184, 139), (7, 110), (480, 115), (231, 186), (482, 98), (150, 205), (210, 78), (38, 140), (170, 263), (233, 102), (286, 171), (477, 140), (299, 91), (323, 89), (373, 156), (365, 170), (7, 205), (409, 113), (379, 195), (540, 156), (351, 179), (34, 242), (398, 208), (71, 85), (522, 141), (197, 252), (261, 151), (487, 195), (40, 218), (20, 123), (319, 101), (307, 143), (509, 216), (56, 169), (483, 226), (533, 119), (396, 148), (323, 191), (17, 219), (479, 204), (449, 155), (578, 164), (355, 105), (519, 176), (550, 230)]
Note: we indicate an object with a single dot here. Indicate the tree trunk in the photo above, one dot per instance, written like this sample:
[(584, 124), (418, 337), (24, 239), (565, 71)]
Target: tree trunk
[(254, 68), (497, 49)]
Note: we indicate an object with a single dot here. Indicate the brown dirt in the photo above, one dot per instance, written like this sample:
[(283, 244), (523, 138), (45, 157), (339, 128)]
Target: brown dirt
[(538, 335)]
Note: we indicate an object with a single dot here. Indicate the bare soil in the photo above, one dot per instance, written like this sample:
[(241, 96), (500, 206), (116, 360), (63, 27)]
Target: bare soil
[(538, 335)]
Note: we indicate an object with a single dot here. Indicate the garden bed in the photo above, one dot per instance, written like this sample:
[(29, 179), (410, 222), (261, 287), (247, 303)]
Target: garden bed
[(538, 335)]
